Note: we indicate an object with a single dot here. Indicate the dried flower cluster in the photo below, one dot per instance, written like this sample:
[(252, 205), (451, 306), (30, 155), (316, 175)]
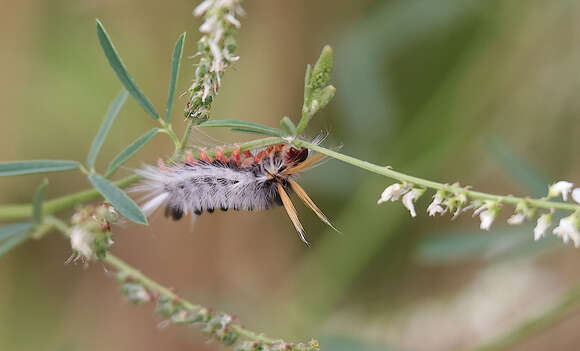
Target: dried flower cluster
[(457, 202), (90, 236), (216, 50), (219, 325), (281, 346)]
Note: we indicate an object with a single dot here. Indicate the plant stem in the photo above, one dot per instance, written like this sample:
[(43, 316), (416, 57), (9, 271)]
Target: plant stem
[(157, 288), (183, 144), (388, 172), (570, 300), (167, 129)]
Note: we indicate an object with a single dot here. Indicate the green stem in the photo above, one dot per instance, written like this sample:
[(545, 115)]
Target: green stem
[(167, 129), (184, 140), (558, 312), (388, 172), (155, 287)]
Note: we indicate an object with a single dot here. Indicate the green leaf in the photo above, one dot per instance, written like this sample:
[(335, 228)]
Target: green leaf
[(38, 201), (105, 127), (175, 63), (15, 234), (130, 151), (307, 78), (123, 203), (36, 166), (287, 126), (247, 126), (9, 230), (121, 71), (249, 131)]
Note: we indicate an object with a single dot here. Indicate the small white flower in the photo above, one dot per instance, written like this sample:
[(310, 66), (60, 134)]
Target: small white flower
[(487, 217), (393, 192), (410, 197), (435, 206), (81, 241), (576, 195), (487, 213), (234, 21), (568, 229), (516, 218), (202, 8), (560, 188), (542, 225), (209, 25)]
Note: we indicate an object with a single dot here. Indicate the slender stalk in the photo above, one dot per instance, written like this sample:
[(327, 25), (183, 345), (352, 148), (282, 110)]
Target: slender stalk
[(167, 129), (388, 172), (563, 308), (160, 290), (186, 135)]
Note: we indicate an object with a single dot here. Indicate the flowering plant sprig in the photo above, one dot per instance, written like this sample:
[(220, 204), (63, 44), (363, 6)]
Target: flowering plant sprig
[(90, 233), (140, 289), (457, 200), (216, 50)]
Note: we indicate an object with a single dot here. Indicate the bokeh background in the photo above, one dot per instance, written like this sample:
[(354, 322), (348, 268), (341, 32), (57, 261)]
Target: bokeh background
[(482, 92)]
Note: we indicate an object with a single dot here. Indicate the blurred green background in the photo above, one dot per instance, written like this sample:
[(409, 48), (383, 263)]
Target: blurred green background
[(482, 92)]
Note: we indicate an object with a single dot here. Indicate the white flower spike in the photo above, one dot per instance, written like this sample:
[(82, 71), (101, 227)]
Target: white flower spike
[(410, 197), (542, 225), (393, 192), (576, 195), (568, 229), (560, 188)]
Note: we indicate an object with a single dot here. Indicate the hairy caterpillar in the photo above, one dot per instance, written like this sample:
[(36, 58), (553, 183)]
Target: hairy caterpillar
[(250, 180)]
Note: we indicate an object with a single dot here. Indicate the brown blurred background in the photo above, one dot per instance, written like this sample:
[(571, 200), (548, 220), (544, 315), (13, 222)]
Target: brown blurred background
[(485, 92)]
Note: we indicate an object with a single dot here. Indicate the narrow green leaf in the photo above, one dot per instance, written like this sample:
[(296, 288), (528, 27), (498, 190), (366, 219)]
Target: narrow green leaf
[(38, 201), (130, 151), (123, 203), (307, 78), (247, 126), (9, 230), (175, 63), (18, 233), (105, 127), (248, 131), (121, 71), (36, 166)]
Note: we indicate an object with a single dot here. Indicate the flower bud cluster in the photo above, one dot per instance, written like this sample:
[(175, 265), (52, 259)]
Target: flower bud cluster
[(217, 324), (216, 50), (457, 202), (313, 345), (90, 236), (133, 290)]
